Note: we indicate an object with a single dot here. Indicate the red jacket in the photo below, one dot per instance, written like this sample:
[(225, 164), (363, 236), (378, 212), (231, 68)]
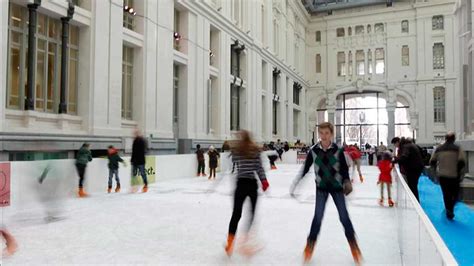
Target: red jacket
[(354, 153), (385, 167)]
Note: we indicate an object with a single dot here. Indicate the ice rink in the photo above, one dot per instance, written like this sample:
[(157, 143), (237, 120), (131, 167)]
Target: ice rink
[(185, 222)]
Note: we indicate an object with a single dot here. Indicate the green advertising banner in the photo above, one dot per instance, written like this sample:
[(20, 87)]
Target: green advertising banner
[(150, 172)]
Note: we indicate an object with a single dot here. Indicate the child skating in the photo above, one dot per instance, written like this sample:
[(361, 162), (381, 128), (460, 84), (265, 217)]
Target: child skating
[(114, 160), (246, 156), (213, 161), (83, 157), (385, 178), (332, 178)]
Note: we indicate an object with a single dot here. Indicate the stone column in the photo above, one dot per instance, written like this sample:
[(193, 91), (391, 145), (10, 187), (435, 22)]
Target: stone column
[(391, 120)]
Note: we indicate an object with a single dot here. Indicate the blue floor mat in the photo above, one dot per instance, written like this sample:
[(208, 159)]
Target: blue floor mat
[(457, 234)]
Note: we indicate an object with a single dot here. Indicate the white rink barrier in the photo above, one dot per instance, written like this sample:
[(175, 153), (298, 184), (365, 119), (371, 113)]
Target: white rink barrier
[(420, 243), (62, 180)]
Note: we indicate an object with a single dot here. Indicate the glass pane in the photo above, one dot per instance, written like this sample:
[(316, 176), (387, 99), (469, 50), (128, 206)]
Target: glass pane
[(16, 37), (383, 134), (383, 116), (403, 131), (401, 116), (40, 67), (16, 19), (368, 135), (51, 78), (72, 95), (14, 78), (339, 116), (364, 116), (352, 134), (41, 24), (53, 29), (363, 100), (74, 35), (382, 101)]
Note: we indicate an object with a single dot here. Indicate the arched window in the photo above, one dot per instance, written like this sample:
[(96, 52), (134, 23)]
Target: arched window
[(379, 28)]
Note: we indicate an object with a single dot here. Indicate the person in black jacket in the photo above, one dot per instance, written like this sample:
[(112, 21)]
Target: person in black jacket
[(213, 161), (410, 162), (139, 149)]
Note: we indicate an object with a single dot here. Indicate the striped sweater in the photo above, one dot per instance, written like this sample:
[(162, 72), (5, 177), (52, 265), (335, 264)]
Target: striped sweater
[(248, 167)]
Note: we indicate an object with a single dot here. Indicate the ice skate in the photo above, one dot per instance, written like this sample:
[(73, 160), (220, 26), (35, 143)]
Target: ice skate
[(390, 202), (117, 189), (145, 189), (356, 254), (381, 202), (248, 246), (361, 179), (229, 248), (81, 193), (308, 250), (109, 190)]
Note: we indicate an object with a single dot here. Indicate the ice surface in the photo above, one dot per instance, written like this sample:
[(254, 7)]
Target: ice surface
[(182, 222)]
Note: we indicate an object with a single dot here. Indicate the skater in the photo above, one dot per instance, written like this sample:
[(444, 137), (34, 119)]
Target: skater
[(385, 178), (246, 155), (10, 242), (114, 160), (450, 160), (83, 157), (356, 156), (272, 155), (213, 161), (411, 163), (332, 178), (201, 161), (139, 148), (279, 148)]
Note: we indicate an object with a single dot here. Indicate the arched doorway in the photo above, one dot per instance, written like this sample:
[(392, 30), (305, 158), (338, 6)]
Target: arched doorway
[(364, 118)]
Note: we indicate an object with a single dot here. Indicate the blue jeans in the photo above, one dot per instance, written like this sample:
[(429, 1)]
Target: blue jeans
[(113, 172), (141, 168), (340, 201)]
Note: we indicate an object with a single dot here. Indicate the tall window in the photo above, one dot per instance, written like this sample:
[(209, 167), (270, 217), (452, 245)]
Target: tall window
[(405, 26), (369, 61), (379, 61), (341, 64), (234, 107), (360, 62), (275, 104), (296, 94), (127, 82), (128, 19), (318, 63), (359, 30), (438, 56), (318, 36), (175, 94), (296, 118), (350, 64), (439, 105), (438, 22), (379, 27), (48, 62), (405, 55), (340, 32)]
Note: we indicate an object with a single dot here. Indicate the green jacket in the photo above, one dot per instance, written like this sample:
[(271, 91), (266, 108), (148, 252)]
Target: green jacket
[(83, 156), (114, 160)]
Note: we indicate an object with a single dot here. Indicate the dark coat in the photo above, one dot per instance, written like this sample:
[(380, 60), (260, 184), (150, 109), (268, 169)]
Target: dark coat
[(213, 158), (138, 151), (410, 159)]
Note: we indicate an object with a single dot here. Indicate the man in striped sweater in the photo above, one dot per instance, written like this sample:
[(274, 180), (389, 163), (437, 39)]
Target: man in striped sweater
[(332, 178)]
